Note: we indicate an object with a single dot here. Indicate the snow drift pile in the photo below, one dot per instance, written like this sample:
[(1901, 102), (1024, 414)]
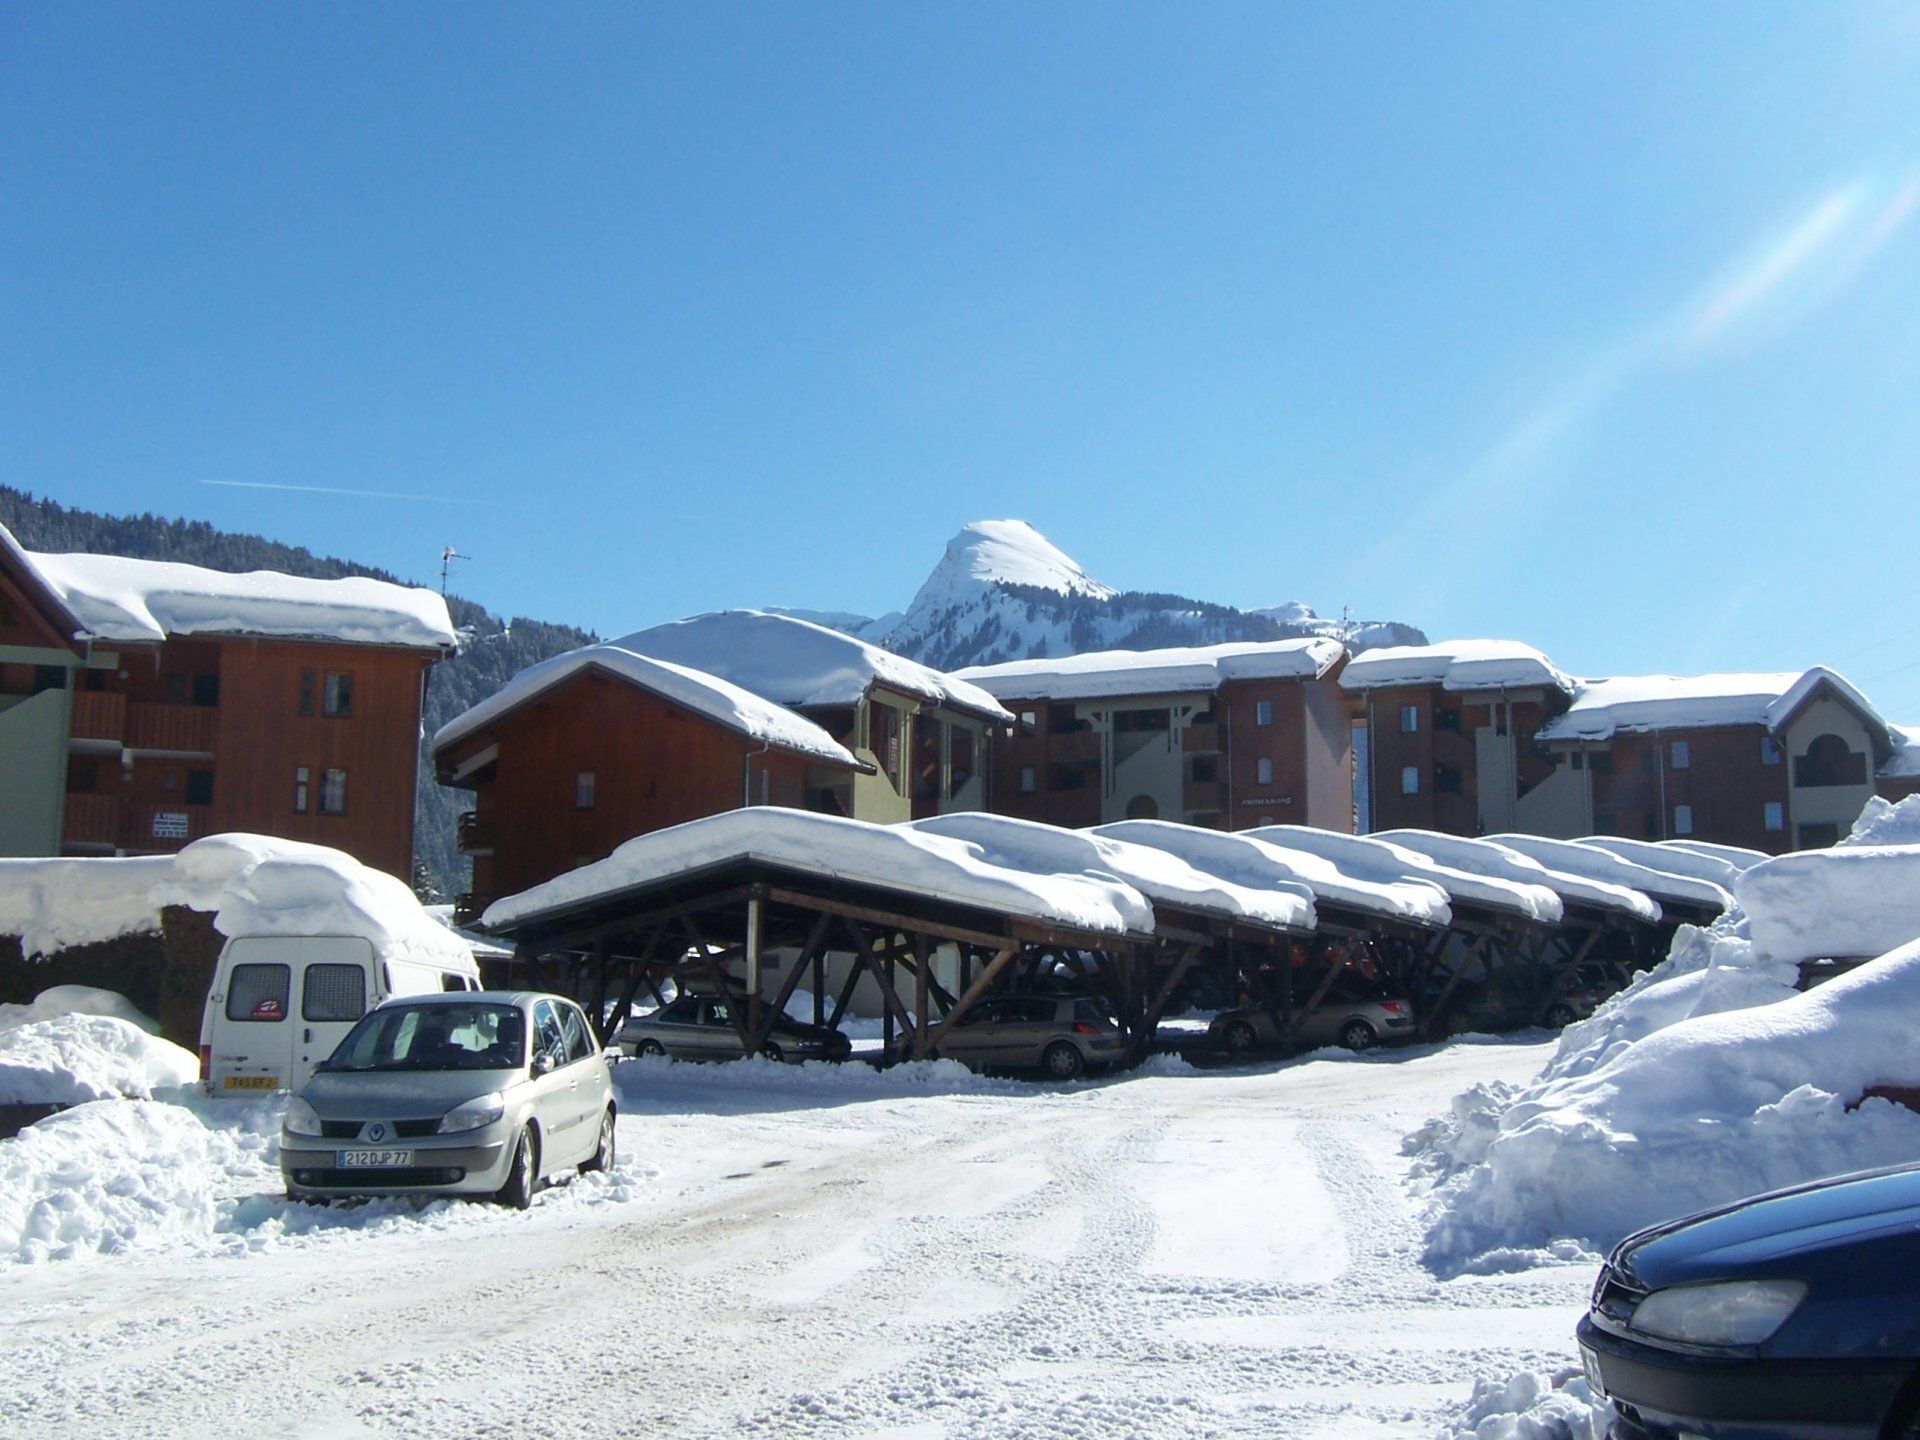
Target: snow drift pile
[(1712, 1076)]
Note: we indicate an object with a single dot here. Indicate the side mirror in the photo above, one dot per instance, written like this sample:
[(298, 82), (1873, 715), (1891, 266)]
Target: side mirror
[(542, 1063)]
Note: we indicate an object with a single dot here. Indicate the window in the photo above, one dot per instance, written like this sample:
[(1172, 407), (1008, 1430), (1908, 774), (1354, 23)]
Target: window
[(206, 691), (1263, 712), (1028, 780), (1263, 771), (548, 1037), (1204, 768), (302, 778), (1683, 819), (1769, 751), (1027, 718), (583, 790), (1143, 807), (1126, 722), (883, 738), (450, 982), (333, 792), (334, 992), (258, 992), (307, 679), (1682, 754), (1776, 815), (579, 1042), (49, 677), (1409, 722), (1827, 762), (339, 694), (199, 787), (959, 759), (1410, 780), (1449, 720)]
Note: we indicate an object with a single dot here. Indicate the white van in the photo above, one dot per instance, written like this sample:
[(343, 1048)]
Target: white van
[(279, 1004)]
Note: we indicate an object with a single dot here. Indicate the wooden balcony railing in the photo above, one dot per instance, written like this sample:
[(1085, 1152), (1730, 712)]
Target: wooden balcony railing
[(93, 820), (476, 833), (1201, 739), (99, 715), (189, 729)]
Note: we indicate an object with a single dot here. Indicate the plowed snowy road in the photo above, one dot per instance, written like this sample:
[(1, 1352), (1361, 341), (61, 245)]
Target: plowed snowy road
[(1173, 1254)]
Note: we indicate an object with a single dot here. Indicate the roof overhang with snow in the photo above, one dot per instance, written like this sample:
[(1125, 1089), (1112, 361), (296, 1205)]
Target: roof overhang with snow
[(1642, 704), (1457, 666), (1177, 670)]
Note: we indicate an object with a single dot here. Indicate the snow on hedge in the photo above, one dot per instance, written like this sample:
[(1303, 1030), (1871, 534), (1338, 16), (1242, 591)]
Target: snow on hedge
[(125, 600), (76, 1058), (1160, 875), (1710, 1077), (1381, 859), (58, 1000), (795, 662), (53, 905), (1595, 864), (721, 701), (1484, 857), (257, 885), (1162, 671), (1456, 665), (894, 857)]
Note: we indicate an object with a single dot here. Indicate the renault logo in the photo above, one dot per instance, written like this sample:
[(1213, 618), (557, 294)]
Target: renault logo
[(376, 1131)]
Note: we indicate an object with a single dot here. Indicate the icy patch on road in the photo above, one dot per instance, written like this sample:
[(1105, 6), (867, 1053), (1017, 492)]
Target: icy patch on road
[(1531, 1406), (75, 1058)]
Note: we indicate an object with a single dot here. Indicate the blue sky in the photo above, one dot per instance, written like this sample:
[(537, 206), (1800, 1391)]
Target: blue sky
[(1593, 328)]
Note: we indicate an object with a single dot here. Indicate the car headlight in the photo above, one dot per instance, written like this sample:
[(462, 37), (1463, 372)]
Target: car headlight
[(1731, 1312), (301, 1118), (473, 1114)]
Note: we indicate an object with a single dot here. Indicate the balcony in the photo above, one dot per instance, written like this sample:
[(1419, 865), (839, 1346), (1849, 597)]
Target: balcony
[(92, 819), (181, 729), (98, 715), (1204, 795), (1203, 739), (476, 833), (1074, 747)]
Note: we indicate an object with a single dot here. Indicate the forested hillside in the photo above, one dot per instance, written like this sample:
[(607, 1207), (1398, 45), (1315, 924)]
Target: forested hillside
[(491, 650)]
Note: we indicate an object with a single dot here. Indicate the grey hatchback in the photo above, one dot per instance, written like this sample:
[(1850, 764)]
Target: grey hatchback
[(474, 1092), (700, 1027), (1062, 1036)]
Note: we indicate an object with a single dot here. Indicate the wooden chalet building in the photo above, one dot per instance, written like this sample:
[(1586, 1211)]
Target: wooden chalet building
[(588, 750), (1226, 736), (144, 704)]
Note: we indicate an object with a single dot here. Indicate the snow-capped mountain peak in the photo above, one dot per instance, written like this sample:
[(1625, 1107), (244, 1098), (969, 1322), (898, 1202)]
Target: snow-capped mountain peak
[(1004, 552)]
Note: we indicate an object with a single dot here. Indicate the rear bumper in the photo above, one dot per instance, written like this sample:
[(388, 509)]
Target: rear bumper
[(1661, 1394)]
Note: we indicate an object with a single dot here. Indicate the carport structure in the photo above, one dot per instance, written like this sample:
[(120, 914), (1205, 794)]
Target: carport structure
[(733, 899), (1682, 899), (1599, 921)]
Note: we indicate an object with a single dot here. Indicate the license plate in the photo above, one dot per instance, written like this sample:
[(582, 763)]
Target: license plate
[(374, 1159), (1590, 1362), (251, 1082)]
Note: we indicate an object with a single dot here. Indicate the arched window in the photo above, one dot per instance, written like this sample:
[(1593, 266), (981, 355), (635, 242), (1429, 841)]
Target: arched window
[(1143, 807), (1828, 761)]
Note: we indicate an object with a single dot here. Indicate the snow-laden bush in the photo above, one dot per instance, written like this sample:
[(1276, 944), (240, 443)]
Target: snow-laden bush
[(58, 1000)]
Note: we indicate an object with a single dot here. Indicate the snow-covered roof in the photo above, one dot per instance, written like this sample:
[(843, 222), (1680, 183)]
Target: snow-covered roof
[(892, 857), (145, 601), (720, 701), (1905, 763), (1138, 672), (1383, 860), (1578, 859), (1738, 856), (1628, 704), (1256, 861), (1162, 876), (1486, 858), (1848, 902), (258, 885), (797, 663), (1456, 665), (1658, 856), (56, 904)]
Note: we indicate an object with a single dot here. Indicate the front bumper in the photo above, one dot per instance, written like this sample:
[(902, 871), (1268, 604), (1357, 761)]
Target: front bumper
[(1661, 1394), (475, 1163)]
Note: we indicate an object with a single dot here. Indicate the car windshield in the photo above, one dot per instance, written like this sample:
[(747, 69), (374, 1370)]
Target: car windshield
[(475, 1036)]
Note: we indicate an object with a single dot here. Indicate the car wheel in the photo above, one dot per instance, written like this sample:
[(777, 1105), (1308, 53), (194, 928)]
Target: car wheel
[(1240, 1039), (773, 1052), (601, 1161), (652, 1047), (1063, 1061), (1559, 1016), (1357, 1035), (522, 1175)]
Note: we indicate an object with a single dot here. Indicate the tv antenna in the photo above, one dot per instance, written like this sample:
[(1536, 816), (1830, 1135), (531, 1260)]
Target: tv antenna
[(447, 557)]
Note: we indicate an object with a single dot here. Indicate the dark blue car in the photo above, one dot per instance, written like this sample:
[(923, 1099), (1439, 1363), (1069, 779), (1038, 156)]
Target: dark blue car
[(1790, 1316)]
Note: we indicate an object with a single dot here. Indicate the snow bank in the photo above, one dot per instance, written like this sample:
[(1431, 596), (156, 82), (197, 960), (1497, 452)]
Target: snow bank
[(1882, 822), (1456, 665), (1160, 875), (797, 663), (895, 857), (1531, 1406), (1487, 858), (256, 885), (720, 701), (1847, 902), (148, 600), (654, 1082), (1382, 860), (75, 1058), (1132, 672), (58, 1000), (53, 905), (1595, 864)]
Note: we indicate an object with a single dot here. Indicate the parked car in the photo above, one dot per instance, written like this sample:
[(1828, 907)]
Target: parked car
[(700, 1027), (475, 1093), (1062, 1036), (1352, 1014), (1788, 1316)]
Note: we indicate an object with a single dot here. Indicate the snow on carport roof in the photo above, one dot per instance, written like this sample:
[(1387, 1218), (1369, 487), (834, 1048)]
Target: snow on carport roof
[(1487, 858), (1601, 865), (1845, 903), (1382, 860), (1160, 875), (889, 857), (1667, 860), (1738, 856), (1260, 862)]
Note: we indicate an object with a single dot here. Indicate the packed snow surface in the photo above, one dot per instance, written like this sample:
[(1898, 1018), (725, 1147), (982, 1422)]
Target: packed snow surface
[(793, 662), (148, 600), (77, 1057), (1846, 902), (257, 885), (1242, 855), (1632, 703), (720, 701), (1160, 875), (1484, 857), (54, 905), (1133, 672), (1596, 864), (1669, 861), (1456, 665), (893, 857), (1382, 860)]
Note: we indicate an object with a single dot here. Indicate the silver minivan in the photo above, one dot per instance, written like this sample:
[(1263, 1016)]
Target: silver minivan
[(476, 1093)]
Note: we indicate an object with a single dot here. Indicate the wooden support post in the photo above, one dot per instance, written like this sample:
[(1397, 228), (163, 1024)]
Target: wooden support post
[(1432, 1018), (763, 1029), (1319, 994), (920, 984), (895, 1012), (1158, 1004), (971, 995), (755, 1035)]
